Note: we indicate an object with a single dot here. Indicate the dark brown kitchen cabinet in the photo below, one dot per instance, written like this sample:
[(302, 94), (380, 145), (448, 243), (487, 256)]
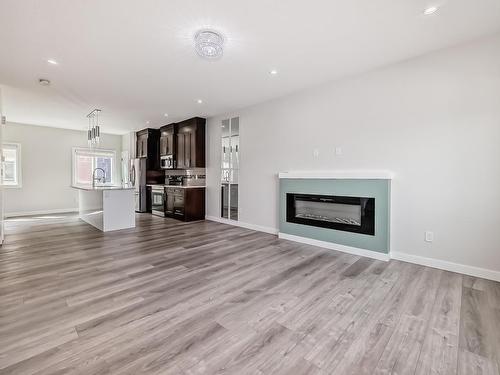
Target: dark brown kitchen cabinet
[(169, 202), (148, 143), (167, 140), (185, 204), (142, 146), (179, 212), (191, 143)]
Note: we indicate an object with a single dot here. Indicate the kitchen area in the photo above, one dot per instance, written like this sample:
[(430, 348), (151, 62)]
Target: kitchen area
[(168, 172)]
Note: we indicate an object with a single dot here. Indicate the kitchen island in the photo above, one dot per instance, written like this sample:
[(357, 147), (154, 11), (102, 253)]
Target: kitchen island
[(107, 208)]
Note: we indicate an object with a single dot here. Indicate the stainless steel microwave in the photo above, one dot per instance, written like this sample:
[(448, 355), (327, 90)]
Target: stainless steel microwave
[(167, 162)]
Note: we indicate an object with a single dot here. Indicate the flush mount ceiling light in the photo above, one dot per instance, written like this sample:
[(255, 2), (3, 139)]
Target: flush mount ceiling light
[(208, 44), (273, 72), (430, 10), (199, 101), (44, 82), (53, 62), (166, 115)]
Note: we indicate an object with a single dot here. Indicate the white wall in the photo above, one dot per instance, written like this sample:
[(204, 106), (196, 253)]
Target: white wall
[(46, 167), (433, 120), (1, 172)]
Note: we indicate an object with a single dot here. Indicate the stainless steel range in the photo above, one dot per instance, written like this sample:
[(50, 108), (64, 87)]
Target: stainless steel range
[(158, 200)]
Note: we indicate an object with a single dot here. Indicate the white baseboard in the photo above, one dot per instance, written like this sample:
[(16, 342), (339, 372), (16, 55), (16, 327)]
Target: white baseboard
[(41, 212), (423, 261), (429, 262), (333, 246), (447, 266), (258, 228)]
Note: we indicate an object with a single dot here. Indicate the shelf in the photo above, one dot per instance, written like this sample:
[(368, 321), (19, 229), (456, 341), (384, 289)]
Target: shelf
[(339, 174)]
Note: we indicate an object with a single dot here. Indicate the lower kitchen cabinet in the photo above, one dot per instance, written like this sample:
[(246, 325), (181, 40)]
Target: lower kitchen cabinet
[(185, 204)]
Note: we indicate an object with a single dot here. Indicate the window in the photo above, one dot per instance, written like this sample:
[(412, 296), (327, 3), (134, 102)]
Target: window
[(85, 161), (230, 164), (11, 156)]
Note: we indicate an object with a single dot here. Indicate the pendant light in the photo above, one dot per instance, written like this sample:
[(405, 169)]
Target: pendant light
[(94, 130)]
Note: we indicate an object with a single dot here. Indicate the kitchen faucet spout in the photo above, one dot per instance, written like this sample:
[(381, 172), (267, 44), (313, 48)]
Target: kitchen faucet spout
[(103, 178)]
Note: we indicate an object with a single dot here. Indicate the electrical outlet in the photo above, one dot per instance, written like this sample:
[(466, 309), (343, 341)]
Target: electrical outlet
[(429, 236)]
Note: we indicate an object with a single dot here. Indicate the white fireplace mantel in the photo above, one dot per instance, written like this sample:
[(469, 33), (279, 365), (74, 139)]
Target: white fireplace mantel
[(340, 174)]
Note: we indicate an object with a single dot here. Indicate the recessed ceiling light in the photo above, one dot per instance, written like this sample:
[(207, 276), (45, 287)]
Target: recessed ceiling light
[(199, 101), (273, 72), (147, 122), (166, 115), (53, 62), (208, 44), (430, 10)]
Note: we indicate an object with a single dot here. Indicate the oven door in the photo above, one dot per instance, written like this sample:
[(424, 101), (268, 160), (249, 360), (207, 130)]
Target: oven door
[(158, 202)]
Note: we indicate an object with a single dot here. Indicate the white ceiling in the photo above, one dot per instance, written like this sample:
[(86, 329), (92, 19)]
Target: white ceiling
[(135, 59)]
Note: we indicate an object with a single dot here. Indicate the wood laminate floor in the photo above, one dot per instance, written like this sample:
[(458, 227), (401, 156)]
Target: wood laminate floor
[(207, 298)]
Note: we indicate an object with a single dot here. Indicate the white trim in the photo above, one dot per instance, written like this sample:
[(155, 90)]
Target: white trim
[(340, 174), (41, 212), (415, 259), (448, 266), (258, 228), (333, 246)]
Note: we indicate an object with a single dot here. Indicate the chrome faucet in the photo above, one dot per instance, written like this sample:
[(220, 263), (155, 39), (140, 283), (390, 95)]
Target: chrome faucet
[(100, 179)]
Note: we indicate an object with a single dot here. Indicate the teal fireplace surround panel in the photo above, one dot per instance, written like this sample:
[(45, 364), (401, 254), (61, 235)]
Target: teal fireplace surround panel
[(380, 189)]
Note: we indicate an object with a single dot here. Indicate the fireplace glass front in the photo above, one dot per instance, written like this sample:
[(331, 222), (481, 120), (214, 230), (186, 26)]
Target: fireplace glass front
[(351, 214)]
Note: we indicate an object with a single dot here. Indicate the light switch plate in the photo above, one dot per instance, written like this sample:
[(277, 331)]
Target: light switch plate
[(338, 151), (316, 152), (429, 236)]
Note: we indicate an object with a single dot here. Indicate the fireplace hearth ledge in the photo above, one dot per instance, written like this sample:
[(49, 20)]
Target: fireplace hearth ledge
[(339, 174)]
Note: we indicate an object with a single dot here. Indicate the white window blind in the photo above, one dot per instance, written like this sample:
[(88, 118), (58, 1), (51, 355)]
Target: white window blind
[(85, 161)]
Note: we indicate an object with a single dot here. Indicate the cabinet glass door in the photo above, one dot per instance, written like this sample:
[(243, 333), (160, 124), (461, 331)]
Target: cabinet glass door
[(229, 168)]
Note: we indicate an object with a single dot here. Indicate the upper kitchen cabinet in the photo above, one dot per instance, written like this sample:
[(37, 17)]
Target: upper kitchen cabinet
[(148, 144), (167, 140), (191, 143), (142, 145)]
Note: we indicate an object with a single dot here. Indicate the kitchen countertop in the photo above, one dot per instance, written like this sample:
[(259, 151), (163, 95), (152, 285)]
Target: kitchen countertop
[(100, 188), (177, 186)]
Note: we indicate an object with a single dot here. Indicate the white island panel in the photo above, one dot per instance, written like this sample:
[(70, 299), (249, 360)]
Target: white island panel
[(119, 209), (107, 209), (90, 207)]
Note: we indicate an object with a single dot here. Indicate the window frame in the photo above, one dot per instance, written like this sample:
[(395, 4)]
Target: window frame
[(19, 174), (83, 150)]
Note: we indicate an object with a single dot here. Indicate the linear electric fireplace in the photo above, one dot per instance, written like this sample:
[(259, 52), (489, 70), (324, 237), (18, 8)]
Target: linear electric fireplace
[(350, 214)]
